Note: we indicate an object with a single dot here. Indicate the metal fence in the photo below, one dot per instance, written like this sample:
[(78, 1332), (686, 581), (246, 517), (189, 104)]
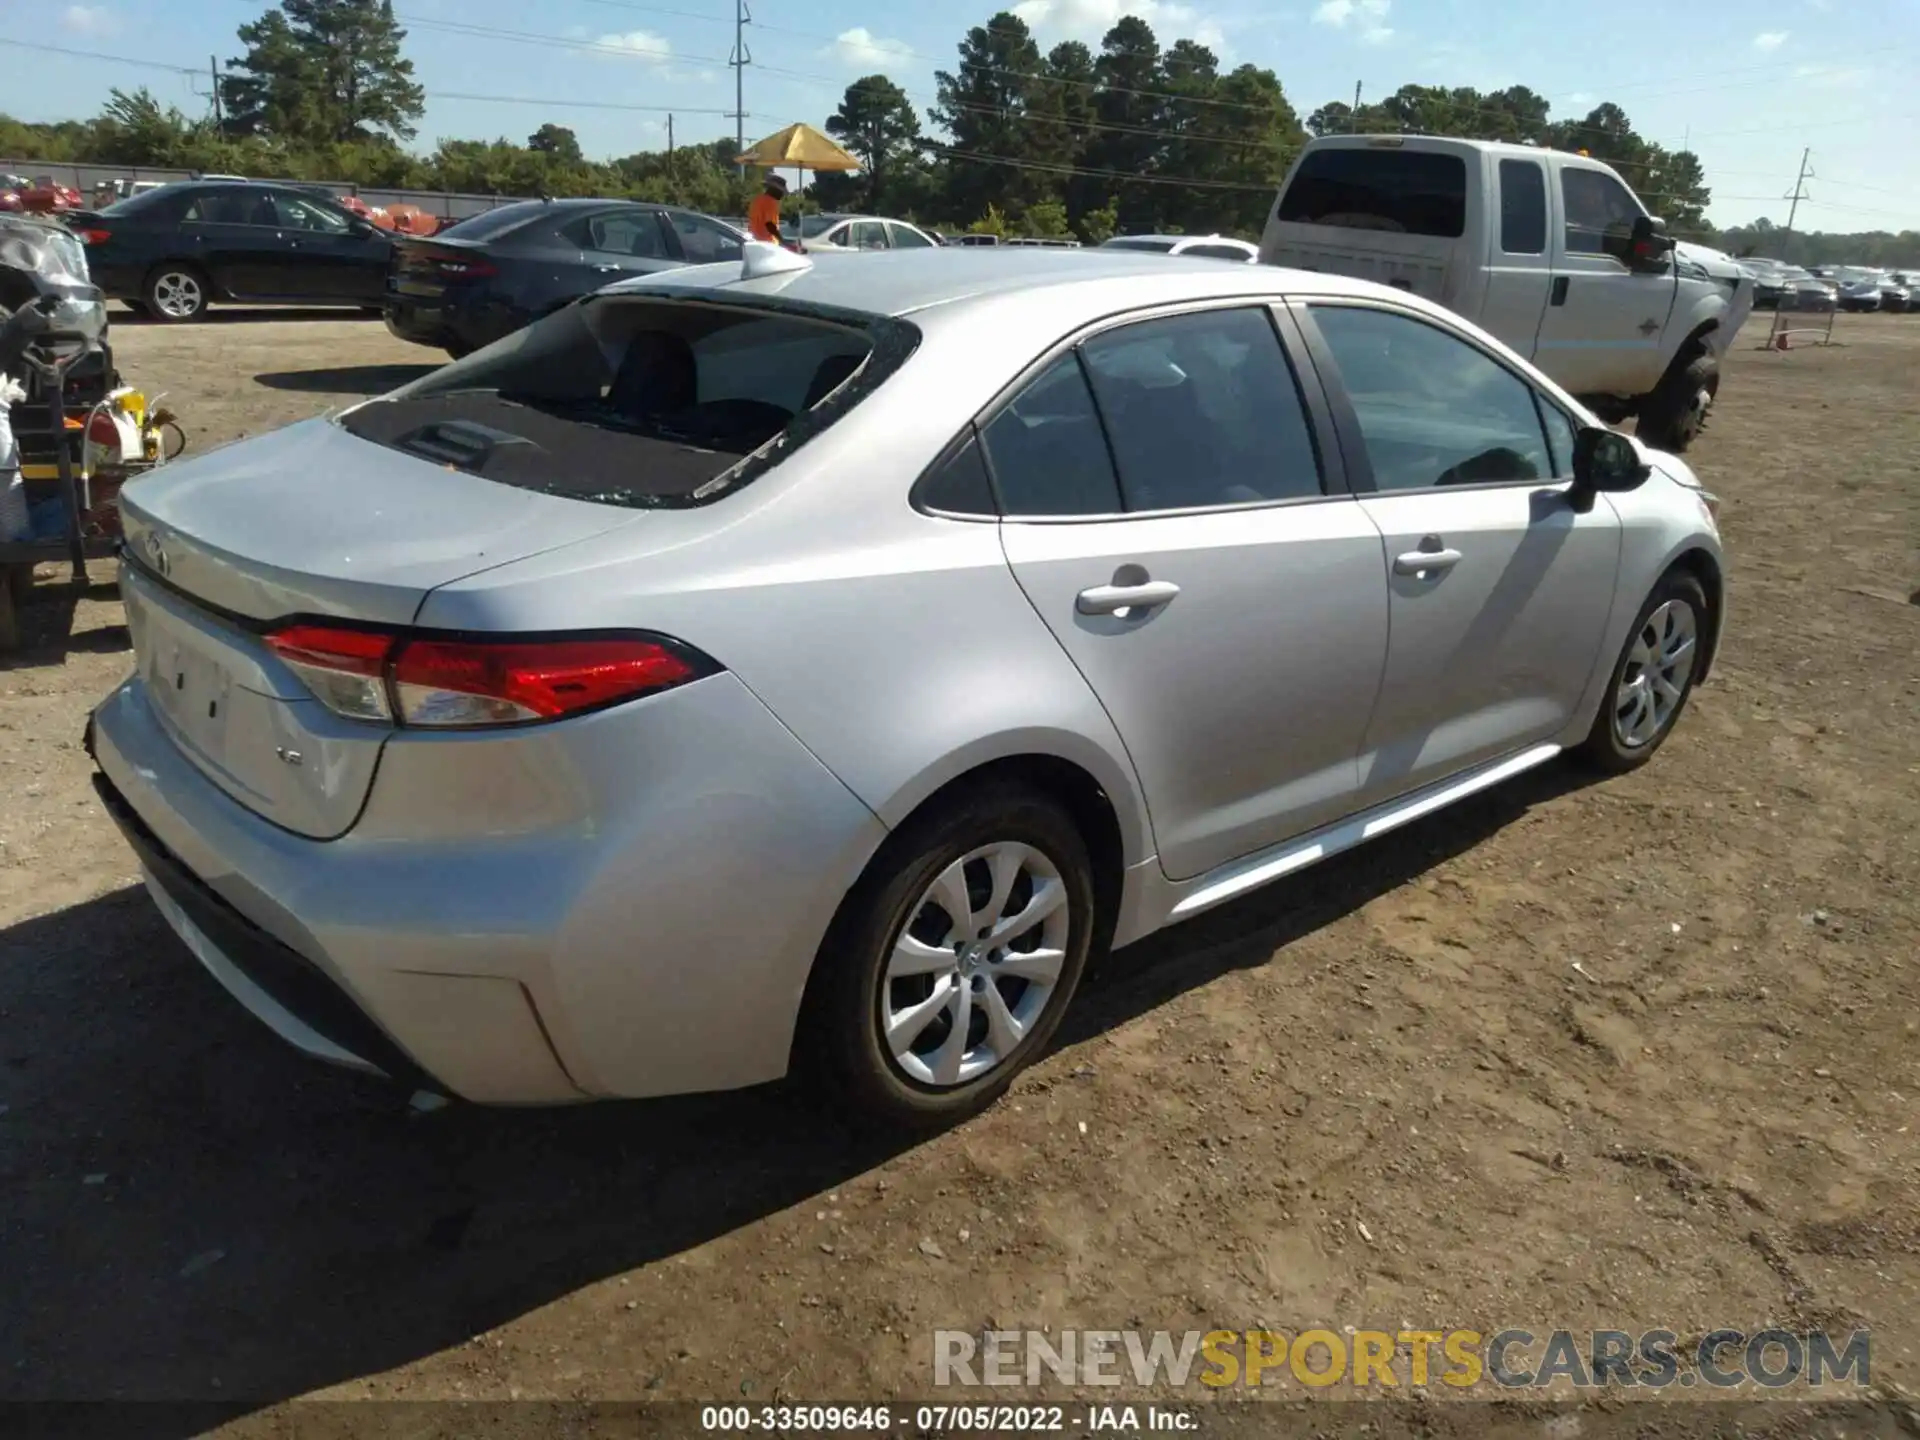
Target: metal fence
[(448, 205)]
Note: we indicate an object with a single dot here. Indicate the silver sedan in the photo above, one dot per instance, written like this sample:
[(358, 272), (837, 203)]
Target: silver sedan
[(810, 663)]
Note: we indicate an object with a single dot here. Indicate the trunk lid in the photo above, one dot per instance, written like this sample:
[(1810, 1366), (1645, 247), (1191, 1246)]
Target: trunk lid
[(314, 520), (310, 520), (424, 267)]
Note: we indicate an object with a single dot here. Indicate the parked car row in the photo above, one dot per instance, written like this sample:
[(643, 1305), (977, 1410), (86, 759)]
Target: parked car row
[(1831, 287)]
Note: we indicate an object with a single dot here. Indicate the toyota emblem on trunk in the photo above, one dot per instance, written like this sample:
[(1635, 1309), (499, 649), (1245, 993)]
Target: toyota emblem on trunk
[(157, 553)]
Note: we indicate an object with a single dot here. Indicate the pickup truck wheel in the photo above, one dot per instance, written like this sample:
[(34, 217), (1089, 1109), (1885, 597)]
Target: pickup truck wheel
[(1676, 412)]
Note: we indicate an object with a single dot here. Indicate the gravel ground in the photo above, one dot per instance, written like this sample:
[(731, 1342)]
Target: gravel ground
[(1641, 1054)]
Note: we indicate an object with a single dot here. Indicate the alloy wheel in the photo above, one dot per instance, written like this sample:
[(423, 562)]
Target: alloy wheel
[(178, 294), (975, 966), (1654, 679)]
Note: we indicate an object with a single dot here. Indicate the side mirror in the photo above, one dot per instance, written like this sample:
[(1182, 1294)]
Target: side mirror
[(1649, 245), (364, 228), (1605, 460)]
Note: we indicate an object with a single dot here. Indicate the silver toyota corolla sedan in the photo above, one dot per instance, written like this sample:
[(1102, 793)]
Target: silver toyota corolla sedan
[(813, 661)]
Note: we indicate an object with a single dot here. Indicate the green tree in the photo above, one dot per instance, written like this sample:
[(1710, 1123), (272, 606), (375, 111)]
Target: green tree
[(1046, 220), (323, 70), (1128, 108), (877, 123), (1101, 225), (982, 105), (135, 129), (557, 141)]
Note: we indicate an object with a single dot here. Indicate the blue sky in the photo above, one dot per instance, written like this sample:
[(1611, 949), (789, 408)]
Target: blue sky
[(1747, 83)]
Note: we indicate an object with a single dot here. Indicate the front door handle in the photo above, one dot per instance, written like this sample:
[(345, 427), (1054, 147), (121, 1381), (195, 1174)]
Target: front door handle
[(1558, 296), (1419, 562), (1111, 599)]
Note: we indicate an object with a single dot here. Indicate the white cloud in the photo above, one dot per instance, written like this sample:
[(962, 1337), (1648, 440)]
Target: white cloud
[(641, 44), (1579, 97), (1770, 39), (1833, 77), (1089, 20), (862, 49), (93, 20), (1367, 17)]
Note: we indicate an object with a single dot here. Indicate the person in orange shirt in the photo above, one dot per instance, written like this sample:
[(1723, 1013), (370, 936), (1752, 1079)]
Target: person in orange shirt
[(763, 215)]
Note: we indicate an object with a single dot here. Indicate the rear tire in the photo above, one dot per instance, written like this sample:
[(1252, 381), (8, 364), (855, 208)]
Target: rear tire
[(1673, 416), (176, 293), (1652, 681), (873, 1020)]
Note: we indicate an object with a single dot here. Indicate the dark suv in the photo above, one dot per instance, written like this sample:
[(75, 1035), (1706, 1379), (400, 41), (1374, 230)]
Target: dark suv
[(174, 250), (488, 276)]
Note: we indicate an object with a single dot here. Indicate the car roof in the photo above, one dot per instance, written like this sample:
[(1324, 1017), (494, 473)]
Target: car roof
[(898, 283)]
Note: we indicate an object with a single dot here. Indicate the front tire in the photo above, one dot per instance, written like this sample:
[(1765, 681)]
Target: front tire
[(1673, 416), (176, 293), (952, 962), (1653, 678)]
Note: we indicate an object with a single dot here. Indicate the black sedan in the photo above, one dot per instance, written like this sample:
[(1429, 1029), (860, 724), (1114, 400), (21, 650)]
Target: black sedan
[(175, 250), (488, 276)]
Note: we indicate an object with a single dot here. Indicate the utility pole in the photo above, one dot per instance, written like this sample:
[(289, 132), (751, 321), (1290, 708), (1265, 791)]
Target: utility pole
[(669, 139), (1786, 239), (213, 68), (1353, 120), (739, 60)]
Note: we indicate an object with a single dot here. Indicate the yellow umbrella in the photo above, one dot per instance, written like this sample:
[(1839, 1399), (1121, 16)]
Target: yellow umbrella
[(801, 147)]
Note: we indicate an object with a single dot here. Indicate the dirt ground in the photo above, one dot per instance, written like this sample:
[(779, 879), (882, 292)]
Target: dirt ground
[(1640, 1054)]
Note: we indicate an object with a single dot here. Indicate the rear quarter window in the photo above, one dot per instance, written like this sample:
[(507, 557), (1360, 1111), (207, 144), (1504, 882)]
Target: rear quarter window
[(641, 402), (1404, 192)]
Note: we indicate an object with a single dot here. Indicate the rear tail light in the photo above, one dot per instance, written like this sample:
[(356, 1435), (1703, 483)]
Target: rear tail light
[(448, 683), (453, 265), (95, 237)]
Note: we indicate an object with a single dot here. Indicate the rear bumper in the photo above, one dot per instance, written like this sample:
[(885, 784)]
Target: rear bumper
[(626, 904), (292, 996), (467, 317)]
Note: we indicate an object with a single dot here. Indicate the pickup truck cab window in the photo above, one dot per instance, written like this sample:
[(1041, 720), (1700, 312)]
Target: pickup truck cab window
[(1599, 209)]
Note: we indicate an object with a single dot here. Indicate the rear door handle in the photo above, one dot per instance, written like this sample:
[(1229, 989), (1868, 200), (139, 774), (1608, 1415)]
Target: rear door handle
[(1418, 562), (1110, 599), (1558, 295)]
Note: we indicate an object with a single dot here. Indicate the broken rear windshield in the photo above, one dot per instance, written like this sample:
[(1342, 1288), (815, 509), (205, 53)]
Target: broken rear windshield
[(640, 401)]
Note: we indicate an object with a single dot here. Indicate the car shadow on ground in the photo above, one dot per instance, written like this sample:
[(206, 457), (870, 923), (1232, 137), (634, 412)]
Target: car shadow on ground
[(47, 625), (248, 315), (345, 379), (188, 1202)]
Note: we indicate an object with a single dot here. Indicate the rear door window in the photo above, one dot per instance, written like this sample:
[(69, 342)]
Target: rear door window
[(1403, 192), (1048, 452), (1203, 411), (628, 234), (1523, 207), (636, 401), (227, 207), (867, 235)]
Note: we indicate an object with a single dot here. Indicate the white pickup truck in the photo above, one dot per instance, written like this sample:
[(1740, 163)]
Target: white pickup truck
[(1550, 252)]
